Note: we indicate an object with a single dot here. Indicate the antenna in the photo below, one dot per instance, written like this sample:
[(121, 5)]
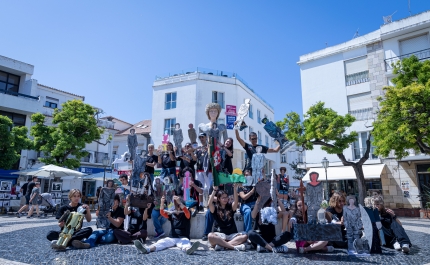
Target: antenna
[(409, 7), (356, 34), (388, 19)]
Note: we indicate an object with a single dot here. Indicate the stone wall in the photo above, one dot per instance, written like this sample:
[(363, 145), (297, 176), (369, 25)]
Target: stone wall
[(376, 64)]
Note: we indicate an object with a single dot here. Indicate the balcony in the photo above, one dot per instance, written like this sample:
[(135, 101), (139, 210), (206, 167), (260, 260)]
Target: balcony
[(105, 124), (363, 114), (421, 55), (357, 78), (17, 101)]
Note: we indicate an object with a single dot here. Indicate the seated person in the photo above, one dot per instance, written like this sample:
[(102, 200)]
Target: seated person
[(394, 233), (179, 233), (334, 215), (135, 224), (116, 219), (306, 246), (248, 196), (75, 196), (267, 232), (226, 235), (156, 217)]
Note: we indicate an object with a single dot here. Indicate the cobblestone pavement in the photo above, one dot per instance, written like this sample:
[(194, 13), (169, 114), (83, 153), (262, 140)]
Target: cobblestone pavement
[(23, 241)]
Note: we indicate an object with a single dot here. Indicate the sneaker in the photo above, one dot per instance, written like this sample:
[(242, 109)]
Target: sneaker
[(405, 248), (260, 249), (57, 247), (193, 248), (201, 209), (218, 248), (397, 246), (79, 244), (205, 238), (18, 215), (330, 248), (194, 213), (157, 236), (280, 249), (240, 247), (249, 246), (301, 250), (140, 247), (28, 217)]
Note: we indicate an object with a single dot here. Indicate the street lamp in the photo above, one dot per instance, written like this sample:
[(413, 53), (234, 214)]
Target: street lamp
[(325, 164), (105, 162)]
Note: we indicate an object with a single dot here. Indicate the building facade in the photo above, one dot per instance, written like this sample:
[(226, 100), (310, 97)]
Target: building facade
[(356, 72)]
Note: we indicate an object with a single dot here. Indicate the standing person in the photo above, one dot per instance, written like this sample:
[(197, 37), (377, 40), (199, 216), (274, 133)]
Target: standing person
[(226, 235), (394, 234), (35, 200), (135, 220), (250, 149), (306, 246), (75, 196), (168, 163), (179, 233), (248, 197), (26, 189), (116, 219), (156, 217), (151, 162), (267, 232), (334, 214), (226, 156), (204, 169)]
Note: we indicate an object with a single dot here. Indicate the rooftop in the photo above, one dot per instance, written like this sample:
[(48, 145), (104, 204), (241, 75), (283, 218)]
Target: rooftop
[(189, 74), (142, 127), (83, 98)]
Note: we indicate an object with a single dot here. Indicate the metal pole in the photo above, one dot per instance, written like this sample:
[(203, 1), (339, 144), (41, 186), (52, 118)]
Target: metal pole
[(326, 185), (104, 176)]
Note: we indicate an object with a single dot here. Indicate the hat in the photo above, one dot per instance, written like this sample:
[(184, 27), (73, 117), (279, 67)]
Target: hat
[(202, 134)]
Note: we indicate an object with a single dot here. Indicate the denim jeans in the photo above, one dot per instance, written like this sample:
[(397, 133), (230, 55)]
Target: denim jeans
[(209, 222), (158, 221), (102, 236), (245, 210)]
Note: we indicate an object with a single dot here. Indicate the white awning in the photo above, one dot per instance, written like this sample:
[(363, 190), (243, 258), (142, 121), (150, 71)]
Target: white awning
[(346, 172)]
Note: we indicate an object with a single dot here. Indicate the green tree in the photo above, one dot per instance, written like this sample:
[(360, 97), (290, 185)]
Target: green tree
[(404, 117), (74, 126), (13, 140), (324, 127)]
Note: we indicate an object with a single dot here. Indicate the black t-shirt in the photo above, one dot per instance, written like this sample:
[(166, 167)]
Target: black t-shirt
[(267, 231), (386, 220), (246, 190), (193, 192), (284, 182), (179, 226), (339, 216), (186, 161), (227, 164), (118, 213), (203, 160), (24, 188), (225, 223), (30, 187), (151, 159), (250, 151), (166, 162), (66, 207), (136, 222)]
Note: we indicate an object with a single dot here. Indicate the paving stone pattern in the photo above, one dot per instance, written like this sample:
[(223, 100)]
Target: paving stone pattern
[(23, 241)]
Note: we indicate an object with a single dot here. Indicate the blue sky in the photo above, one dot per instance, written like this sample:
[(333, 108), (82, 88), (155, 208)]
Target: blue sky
[(110, 51)]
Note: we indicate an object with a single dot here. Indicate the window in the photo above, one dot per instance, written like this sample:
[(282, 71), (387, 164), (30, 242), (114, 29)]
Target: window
[(258, 116), (17, 119), (250, 113), (283, 158), (9, 83), (413, 45), (259, 137), (170, 101), (250, 129), (218, 97), (267, 140), (169, 125), (51, 103), (220, 121), (360, 106), (356, 71), (359, 146), (244, 134)]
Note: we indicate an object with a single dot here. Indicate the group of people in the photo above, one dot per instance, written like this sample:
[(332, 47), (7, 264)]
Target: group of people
[(32, 196)]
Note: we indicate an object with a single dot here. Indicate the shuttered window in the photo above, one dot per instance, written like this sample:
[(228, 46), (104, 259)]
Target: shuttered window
[(359, 101), (414, 44), (356, 65)]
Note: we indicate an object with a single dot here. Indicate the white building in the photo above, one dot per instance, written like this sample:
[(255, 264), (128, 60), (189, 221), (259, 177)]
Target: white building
[(182, 98), (349, 77)]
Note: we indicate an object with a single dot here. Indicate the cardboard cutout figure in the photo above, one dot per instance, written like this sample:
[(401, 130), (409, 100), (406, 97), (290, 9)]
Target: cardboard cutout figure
[(132, 144), (257, 164), (177, 139), (138, 168), (192, 133), (314, 196), (276, 133), (105, 200), (241, 114), (352, 222)]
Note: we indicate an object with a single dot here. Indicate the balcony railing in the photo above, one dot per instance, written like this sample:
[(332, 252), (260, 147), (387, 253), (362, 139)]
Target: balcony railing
[(421, 55), (105, 123), (363, 114), (357, 78), (359, 152), (3, 91)]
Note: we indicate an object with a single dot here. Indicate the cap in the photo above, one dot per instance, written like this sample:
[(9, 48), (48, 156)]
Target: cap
[(202, 134)]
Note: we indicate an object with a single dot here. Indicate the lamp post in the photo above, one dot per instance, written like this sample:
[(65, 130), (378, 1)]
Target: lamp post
[(325, 163), (105, 162)]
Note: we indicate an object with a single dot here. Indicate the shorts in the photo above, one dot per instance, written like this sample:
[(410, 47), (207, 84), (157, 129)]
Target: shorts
[(229, 237), (283, 192), (27, 199)]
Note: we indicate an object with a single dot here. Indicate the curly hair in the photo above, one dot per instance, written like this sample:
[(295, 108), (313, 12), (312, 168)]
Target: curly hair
[(213, 106), (335, 198)]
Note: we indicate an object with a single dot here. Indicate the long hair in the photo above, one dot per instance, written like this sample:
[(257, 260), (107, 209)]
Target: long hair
[(335, 199), (298, 212), (378, 200), (228, 207), (231, 147)]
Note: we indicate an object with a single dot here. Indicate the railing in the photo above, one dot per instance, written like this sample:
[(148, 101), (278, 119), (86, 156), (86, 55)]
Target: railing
[(3, 91), (363, 114), (209, 72), (105, 123), (421, 55), (359, 152), (357, 78)]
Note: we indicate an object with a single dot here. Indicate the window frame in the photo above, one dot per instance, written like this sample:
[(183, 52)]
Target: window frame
[(250, 112), (171, 102), (172, 125), (259, 138), (7, 84), (258, 116), (215, 93)]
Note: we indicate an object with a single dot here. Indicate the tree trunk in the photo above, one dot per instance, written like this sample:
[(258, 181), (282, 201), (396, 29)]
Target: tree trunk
[(358, 169)]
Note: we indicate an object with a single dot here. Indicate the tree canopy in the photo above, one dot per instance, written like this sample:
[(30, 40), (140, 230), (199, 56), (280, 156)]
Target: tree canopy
[(404, 117), (64, 142), (13, 140)]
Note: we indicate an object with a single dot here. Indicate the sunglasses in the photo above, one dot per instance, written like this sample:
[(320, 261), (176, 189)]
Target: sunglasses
[(252, 139)]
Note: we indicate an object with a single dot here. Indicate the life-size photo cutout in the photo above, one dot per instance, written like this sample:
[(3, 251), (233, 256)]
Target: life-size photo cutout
[(105, 201), (314, 195)]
